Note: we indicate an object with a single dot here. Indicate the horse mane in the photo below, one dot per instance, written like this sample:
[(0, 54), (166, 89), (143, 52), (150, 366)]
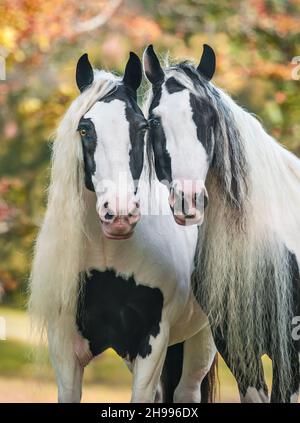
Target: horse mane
[(59, 254), (243, 270)]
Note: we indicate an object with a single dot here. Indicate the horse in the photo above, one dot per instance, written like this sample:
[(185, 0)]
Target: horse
[(104, 275), (227, 176)]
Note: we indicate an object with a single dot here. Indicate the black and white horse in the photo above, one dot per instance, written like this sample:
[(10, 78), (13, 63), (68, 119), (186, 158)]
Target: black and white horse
[(247, 276), (100, 278)]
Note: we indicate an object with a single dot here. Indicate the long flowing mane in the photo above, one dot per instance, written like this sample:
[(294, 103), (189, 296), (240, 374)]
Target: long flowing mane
[(59, 254), (250, 234)]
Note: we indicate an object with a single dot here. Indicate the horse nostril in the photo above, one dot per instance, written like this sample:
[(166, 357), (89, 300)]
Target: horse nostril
[(105, 205), (205, 201), (109, 216), (201, 200), (134, 210), (190, 215)]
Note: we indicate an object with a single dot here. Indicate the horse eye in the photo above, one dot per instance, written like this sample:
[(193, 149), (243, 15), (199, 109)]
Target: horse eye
[(154, 123), (82, 132)]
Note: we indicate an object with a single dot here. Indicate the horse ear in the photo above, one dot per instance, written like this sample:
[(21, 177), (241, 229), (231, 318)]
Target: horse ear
[(133, 72), (153, 70), (84, 73), (207, 65)]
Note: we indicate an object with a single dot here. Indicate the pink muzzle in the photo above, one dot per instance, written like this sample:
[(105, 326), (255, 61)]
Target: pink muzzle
[(188, 200), (119, 222)]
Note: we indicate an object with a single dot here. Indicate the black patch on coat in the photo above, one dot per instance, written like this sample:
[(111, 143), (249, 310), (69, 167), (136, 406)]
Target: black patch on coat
[(117, 313)]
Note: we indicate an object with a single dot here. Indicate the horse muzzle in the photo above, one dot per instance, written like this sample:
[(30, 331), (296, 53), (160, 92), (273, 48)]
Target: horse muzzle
[(118, 224), (188, 203)]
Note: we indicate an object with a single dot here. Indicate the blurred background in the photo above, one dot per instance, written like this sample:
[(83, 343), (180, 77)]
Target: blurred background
[(257, 43)]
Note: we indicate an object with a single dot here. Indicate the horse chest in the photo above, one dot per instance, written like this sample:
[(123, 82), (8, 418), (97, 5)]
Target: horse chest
[(117, 313)]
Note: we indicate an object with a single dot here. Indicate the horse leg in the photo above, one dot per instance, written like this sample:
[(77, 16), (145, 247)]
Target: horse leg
[(171, 373), (68, 369), (159, 396), (147, 368), (252, 389), (199, 354)]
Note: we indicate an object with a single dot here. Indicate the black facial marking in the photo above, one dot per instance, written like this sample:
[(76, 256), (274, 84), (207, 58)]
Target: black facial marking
[(173, 86), (204, 118), (137, 128), (157, 140), (117, 313), (89, 143)]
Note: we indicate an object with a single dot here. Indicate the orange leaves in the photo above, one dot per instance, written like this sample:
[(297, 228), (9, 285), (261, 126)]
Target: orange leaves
[(267, 68), (280, 23), (277, 18), (142, 28)]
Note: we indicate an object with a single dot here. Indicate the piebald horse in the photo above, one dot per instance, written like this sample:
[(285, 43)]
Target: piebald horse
[(103, 275), (247, 280)]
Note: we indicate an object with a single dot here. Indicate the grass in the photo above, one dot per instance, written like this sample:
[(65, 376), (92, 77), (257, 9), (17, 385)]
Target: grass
[(18, 359), (108, 371)]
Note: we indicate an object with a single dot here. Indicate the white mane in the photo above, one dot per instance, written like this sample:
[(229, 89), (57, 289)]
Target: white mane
[(60, 247), (237, 264)]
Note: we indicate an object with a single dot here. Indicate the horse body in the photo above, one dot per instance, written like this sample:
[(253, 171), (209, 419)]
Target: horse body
[(99, 279), (247, 276)]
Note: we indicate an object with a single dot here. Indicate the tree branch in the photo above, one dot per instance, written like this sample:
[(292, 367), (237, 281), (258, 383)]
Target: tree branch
[(100, 19)]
